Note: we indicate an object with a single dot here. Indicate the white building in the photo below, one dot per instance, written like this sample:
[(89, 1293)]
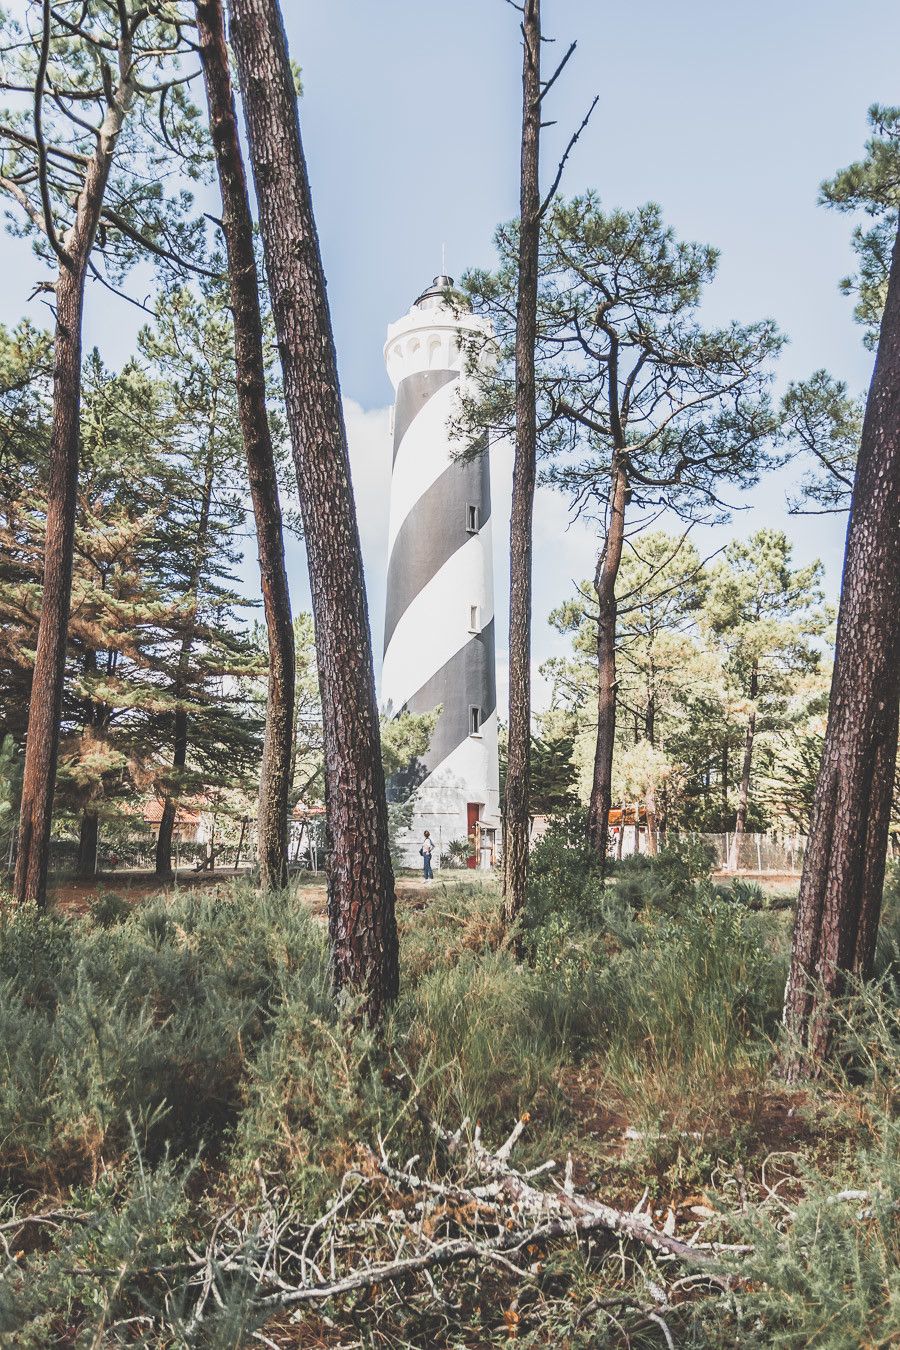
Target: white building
[(439, 623)]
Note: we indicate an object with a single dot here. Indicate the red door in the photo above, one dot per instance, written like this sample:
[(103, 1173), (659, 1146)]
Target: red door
[(473, 814)]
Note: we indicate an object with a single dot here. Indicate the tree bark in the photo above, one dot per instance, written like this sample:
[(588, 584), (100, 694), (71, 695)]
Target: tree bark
[(650, 806), (88, 841), (743, 807), (362, 925), (163, 861), (166, 830), (843, 871), (605, 586), (237, 227), (45, 707), (516, 849)]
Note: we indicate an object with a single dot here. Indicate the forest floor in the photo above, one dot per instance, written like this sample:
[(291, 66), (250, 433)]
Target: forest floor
[(73, 896), (68, 895), (193, 1136)]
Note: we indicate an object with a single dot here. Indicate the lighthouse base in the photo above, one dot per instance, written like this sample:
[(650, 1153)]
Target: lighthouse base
[(459, 805)]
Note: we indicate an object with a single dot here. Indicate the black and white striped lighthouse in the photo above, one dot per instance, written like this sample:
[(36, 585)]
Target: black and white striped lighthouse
[(439, 622)]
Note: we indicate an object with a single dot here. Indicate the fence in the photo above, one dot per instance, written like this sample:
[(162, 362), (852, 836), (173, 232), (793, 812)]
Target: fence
[(765, 853)]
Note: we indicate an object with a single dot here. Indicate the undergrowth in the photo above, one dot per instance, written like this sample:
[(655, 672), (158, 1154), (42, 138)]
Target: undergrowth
[(167, 1063)]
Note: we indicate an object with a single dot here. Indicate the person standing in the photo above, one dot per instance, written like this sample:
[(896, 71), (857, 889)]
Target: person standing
[(426, 851)]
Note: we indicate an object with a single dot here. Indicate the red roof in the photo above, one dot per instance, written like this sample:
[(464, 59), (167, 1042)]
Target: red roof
[(184, 815)]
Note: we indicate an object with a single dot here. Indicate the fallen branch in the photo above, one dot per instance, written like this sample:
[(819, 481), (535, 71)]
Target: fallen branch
[(576, 1212)]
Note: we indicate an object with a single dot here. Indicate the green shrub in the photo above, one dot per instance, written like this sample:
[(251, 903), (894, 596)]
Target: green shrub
[(830, 1276), (315, 1091), (472, 1032), (457, 853), (565, 889), (887, 952), (691, 1008), (93, 1276), (151, 1020), (36, 953), (667, 881), (108, 909)]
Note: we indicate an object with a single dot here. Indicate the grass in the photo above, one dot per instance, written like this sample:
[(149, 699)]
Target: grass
[(163, 1062)]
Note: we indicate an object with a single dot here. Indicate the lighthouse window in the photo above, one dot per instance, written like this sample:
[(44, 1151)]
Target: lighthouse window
[(473, 618), (474, 721), (472, 518)]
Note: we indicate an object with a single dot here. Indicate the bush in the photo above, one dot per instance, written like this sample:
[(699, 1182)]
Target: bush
[(457, 854), (887, 954), (685, 1017), (483, 1037), (564, 880), (108, 909), (667, 881), (315, 1090), (149, 1021)]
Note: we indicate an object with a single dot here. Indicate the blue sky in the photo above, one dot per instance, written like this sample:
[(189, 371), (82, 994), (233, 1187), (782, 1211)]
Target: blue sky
[(729, 115)]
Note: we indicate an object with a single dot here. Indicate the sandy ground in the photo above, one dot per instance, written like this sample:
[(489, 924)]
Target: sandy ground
[(76, 897)]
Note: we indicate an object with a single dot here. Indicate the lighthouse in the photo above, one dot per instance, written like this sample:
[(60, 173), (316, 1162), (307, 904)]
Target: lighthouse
[(439, 619)]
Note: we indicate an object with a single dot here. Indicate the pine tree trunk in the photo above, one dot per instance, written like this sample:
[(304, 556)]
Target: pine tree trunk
[(516, 847), (652, 841), (88, 841), (843, 870), (650, 732), (743, 808), (362, 925), (45, 706), (237, 227), (170, 806), (605, 586), (180, 724)]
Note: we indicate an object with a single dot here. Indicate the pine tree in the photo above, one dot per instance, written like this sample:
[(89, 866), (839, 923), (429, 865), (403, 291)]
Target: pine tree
[(516, 834), (638, 405), (659, 592), (237, 227), (106, 97), (843, 873), (362, 924), (822, 420), (764, 614), (191, 350), (124, 618)]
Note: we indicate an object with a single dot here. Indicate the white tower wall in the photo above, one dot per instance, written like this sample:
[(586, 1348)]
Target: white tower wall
[(439, 625)]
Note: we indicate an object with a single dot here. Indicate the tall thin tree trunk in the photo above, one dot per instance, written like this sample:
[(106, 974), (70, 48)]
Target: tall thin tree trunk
[(650, 732), (516, 845), (45, 706), (166, 831), (88, 841), (743, 807), (605, 586), (180, 722), (843, 870), (650, 806), (237, 227), (362, 925)]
